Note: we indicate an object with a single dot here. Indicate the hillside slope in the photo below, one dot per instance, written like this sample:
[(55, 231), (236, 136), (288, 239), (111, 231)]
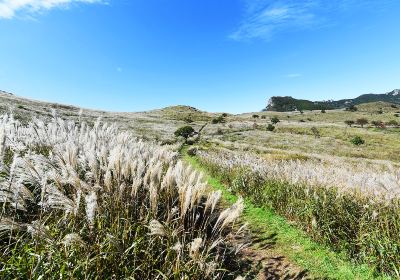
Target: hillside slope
[(287, 103)]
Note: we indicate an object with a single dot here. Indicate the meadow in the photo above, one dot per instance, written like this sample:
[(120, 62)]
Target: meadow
[(79, 195)]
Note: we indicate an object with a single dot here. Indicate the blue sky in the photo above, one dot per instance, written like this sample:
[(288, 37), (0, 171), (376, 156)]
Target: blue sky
[(216, 55)]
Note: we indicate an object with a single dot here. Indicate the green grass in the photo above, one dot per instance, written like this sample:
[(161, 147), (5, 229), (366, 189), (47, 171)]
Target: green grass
[(291, 242)]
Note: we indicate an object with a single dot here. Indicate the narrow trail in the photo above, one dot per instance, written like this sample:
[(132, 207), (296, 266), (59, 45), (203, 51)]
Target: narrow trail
[(279, 250)]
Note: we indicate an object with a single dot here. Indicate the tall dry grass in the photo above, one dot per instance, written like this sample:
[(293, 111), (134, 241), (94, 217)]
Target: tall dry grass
[(352, 209), (81, 202)]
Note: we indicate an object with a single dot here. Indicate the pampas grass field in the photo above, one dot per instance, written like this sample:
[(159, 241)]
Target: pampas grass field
[(354, 209), (92, 202)]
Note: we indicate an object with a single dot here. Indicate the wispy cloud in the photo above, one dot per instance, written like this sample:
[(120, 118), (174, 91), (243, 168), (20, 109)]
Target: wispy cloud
[(11, 8), (264, 18), (293, 75)]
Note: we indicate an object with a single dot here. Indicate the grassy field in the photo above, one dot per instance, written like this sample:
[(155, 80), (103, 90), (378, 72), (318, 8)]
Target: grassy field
[(329, 192), (314, 260)]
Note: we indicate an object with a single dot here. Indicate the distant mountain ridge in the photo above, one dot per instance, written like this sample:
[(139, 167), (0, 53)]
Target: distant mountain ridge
[(287, 103)]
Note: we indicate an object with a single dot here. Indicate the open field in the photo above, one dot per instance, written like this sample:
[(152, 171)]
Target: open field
[(307, 170)]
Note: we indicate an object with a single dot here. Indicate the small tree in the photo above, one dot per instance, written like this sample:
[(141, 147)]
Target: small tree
[(349, 122), (315, 131), (255, 116), (357, 140), (185, 132), (274, 120), (362, 122), (270, 127)]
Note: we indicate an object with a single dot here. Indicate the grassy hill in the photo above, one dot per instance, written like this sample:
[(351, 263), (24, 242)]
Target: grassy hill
[(287, 103)]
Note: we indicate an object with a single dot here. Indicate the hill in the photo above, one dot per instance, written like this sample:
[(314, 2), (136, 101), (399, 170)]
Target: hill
[(287, 103)]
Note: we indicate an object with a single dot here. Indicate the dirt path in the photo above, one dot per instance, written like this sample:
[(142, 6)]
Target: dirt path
[(267, 264)]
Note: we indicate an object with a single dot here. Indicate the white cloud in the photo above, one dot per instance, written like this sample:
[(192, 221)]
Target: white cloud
[(11, 8), (264, 18)]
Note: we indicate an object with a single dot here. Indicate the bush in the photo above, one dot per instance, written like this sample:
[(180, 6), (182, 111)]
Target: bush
[(187, 120), (392, 123), (220, 119), (192, 151), (323, 111), (349, 122), (263, 117), (357, 140), (255, 116), (352, 108), (274, 120), (316, 132), (377, 124), (270, 127), (185, 132)]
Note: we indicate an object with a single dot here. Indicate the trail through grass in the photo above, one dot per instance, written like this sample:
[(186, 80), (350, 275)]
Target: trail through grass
[(292, 243)]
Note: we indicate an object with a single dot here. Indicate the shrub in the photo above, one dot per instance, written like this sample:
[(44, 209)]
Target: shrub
[(392, 123), (352, 108), (316, 132), (349, 122), (377, 124), (357, 140), (192, 151), (323, 111), (255, 116), (394, 106), (224, 115), (274, 120), (187, 120), (263, 117), (217, 120), (270, 127), (184, 131)]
